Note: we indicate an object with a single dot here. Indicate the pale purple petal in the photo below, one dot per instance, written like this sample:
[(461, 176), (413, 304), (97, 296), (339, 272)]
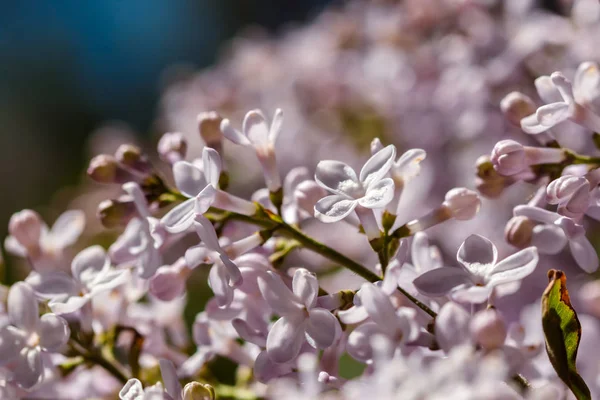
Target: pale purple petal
[(29, 368), (359, 341), (218, 279), (321, 327), (531, 125), (477, 255), (337, 177), (205, 199), (378, 165), (122, 250), (334, 208), (536, 214), (285, 339), (193, 364), (424, 256), (12, 246), (11, 343), (586, 84), (139, 199), (207, 233), (235, 276), (255, 128), (472, 295), (378, 194), (23, 310), (276, 125), (54, 332), (211, 161), (49, 285), (584, 253), (553, 114), (88, 264), (133, 390), (379, 308), (514, 267), (439, 282), (180, 218), (67, 228), (278, 296), (306, 287), (197, 255), (108, 280), (169, 378), (233, 134), (68, 305), (248, 334), (451, 326), (546, 89), (353, 315), (189, 179), (265, 369)]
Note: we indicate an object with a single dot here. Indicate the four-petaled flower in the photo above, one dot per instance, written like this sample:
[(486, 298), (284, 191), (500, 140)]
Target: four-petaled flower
[(479, 273)]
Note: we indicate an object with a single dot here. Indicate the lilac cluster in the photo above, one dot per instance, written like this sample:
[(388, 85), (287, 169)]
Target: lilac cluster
[(336, 274)]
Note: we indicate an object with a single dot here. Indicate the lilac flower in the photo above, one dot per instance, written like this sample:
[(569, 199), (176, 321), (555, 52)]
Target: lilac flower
[(258, 134), (138, 245), (370, 190), (91, 274), (28, 336), (571, 193), (512, 158), (397, 326), (171, 390), (479, 273), (45, 248), (300, 319)]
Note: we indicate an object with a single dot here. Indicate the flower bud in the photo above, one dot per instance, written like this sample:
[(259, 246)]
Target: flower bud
[(26, 227), (488, 329), (518, 231), (508, 157), (517, 106), (172, 147), (571, 193), (105, 169), (198, 391), (462, 203), (209, 125), (133, 157), (489, 182), (116, 212)]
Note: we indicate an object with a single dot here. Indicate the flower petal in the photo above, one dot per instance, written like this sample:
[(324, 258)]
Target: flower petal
[(472, 295), (67, 305), (359, 341), (337, 177), (206, 232), (451, 326), (29, 368), (424, 256), (584, 253), (278, 296), (54, 332), (23, 309), (49, 285), (211, 161), (11, 343), (12, 246), (322, 327), (218, 280), (378, 166), (531, 125), (285, 339), (586, 85), (133, 390), (546, 89), (197, 255), (255, 128), (205, 199), (334, 208), (306, 287), (169, 378), (235, 276), (514, 267), (189, 179), (378, 194), (536, 214), (477, 255), (180, 218), (67, 228), (409, 164), (553, 114), (379, 308), (439, 282), (89, 263), (276, 125), (353, 315)]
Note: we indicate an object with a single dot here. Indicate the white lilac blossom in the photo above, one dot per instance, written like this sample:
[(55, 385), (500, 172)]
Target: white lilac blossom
[(139, 245), (44, 247), (363, 193), (258, 134), (479, 272), (300, 319), (91, 274), (28, 336)]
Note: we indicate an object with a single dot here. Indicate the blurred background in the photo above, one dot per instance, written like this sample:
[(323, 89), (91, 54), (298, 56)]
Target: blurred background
[(68, 67)]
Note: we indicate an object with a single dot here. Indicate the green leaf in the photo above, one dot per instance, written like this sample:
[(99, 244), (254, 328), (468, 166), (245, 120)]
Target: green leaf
[(563, 333)]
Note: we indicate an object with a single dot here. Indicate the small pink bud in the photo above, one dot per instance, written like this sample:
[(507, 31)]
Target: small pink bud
[(518, 231), (26, 227), (488, 329), (462, 203), (508, 157), (515, 106), (133, 157), (307, 194), (209, 125)]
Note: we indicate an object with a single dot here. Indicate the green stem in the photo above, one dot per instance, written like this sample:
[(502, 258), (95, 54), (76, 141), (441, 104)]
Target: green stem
[(96, 358)]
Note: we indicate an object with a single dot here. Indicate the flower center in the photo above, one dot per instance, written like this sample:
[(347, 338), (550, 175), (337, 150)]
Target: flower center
[(33, 340)]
